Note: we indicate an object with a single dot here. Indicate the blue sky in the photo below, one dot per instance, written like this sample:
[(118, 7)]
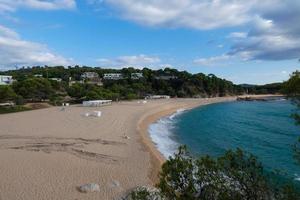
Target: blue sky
[(246, 42)]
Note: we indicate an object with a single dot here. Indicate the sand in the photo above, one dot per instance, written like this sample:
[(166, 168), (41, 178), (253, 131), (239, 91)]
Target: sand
[(48, 153)]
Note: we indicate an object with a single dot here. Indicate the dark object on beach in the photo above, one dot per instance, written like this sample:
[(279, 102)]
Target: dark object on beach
[(257, 98)]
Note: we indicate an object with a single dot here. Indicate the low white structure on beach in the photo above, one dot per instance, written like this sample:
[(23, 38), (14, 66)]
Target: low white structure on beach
[(96, 103), (157, 97)]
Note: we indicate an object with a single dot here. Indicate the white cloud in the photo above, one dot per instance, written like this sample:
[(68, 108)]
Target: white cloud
[(270, 39), (124, 61), (12, 5), (237, 35), (16, 51), (212, 61), (274, 28), (204, 14)]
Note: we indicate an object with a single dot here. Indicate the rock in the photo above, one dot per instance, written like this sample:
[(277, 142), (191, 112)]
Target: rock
[(90, 187)]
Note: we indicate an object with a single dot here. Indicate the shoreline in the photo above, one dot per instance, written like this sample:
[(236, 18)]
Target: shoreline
[(156, 157)]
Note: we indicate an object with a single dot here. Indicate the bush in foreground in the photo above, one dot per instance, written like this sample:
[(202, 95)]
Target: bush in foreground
[(234, 176)]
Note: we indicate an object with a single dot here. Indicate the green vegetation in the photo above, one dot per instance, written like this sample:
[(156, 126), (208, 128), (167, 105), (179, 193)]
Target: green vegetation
[(292, 89), (234, 176), (35, 84), (12, 109), (272, 88)]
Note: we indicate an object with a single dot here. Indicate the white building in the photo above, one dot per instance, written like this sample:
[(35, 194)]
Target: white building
[(91, 78), (136, 75), (38, 75), (5, 80), (56, 79), (113, 76), (89, 75)]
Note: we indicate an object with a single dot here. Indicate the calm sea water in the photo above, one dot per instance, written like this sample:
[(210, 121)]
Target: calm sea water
[(264, 129)]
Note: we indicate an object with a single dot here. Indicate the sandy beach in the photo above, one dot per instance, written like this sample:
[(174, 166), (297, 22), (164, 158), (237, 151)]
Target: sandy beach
[(48, 153)]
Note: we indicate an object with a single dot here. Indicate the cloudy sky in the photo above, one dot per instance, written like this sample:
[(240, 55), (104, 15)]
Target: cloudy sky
[(243, 41)]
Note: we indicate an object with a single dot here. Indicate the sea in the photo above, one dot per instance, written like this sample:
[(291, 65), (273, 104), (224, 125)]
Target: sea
[(263, 128)]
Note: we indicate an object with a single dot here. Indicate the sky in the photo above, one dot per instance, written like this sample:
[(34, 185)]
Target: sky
[(253, 42)]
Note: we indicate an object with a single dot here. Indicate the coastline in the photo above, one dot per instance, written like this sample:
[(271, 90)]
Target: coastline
[(156, 157)]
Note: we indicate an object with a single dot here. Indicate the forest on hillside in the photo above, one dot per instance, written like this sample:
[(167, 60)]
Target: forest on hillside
[(37, 84)]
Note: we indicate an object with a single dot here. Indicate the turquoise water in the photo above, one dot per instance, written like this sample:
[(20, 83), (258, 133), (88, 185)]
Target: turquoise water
[(264, 129)]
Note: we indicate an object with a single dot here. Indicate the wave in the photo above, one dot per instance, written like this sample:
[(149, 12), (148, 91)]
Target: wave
[(280, 99), (297, 177), (161, 133)]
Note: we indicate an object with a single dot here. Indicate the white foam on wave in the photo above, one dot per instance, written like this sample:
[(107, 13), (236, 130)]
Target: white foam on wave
[(162, 135), (280, 99), (297, 177)]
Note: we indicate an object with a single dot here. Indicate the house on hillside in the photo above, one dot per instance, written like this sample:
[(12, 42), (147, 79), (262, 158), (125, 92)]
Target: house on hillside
[(38, 75), (113, 76), (91, 78), (136, 76), (89, 75), (56, 79), (6, 80)]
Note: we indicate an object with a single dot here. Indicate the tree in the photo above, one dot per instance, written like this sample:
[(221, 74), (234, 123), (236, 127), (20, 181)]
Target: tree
[(234, 176), (77, 90), (7, 94), (35, 89)]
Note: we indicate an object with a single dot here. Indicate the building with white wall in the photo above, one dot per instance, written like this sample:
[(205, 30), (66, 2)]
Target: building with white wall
[(113, 76), (6, 80)]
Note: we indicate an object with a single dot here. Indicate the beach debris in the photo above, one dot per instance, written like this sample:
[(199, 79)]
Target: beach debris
[(144, 102), (97, 113), (126, 137), (115, 184), (90, 187), (152, 193)]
